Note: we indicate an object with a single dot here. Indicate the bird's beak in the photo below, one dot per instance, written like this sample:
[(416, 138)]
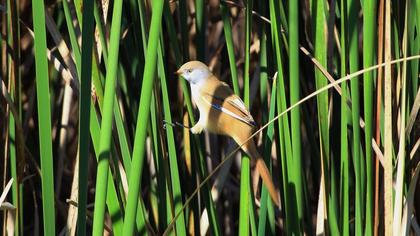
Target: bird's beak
[(178, 73)]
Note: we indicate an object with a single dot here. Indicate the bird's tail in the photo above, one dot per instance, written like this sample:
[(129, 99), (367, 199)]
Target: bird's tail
[(266, 177), (262, 169)]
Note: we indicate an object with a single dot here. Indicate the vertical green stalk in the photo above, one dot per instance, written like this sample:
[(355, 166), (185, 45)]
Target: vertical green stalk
[(137, 37), (252, 211), (106, 125), (44, 116), (78, 5), (227, 27), (345, 191), (354, 84), (244, 199), (72, 33), (284, 131), (266, 220), (413, 47), (112, 201), (84, 114), (344, 166), (296, 170), (245, 190), (142, 118), (111, 198), (323, 119), (266, 202), (175, 180), (201, 29), (264, 85), (16, 145), (13, 166), (369, 33), (160, 167), (415, 79), (178, 60), (248, 31), (184, 30)]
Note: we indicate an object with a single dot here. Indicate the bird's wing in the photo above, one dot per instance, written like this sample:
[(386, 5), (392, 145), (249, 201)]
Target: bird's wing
[(227, 102)]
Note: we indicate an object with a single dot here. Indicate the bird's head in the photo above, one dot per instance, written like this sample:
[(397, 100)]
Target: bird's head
[(194, 72)]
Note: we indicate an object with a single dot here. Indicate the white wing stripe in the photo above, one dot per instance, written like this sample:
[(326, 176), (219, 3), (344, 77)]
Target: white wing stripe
[(239, 103), (222, 109)]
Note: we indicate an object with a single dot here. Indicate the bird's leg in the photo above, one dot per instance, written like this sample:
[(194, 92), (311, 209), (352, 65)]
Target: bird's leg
[(196, 129), (165, 123)]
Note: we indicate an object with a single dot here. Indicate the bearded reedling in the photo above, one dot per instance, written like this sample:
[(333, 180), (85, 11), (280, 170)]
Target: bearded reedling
[(222, 112)]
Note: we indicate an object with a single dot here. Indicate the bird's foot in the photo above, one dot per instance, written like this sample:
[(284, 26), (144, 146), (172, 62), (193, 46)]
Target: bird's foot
[(196, 129)]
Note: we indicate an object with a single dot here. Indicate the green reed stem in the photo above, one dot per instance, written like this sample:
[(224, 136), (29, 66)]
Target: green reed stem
[(44, 117), (142, 118), (106, 125)]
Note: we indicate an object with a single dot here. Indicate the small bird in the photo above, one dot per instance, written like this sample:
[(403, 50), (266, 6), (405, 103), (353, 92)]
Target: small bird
[(222, 112)]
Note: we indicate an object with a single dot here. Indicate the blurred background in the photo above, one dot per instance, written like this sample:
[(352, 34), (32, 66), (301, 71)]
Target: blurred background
[(89, 95)]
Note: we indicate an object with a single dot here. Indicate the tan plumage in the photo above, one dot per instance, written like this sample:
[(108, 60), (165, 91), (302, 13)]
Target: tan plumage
[(222, 112)]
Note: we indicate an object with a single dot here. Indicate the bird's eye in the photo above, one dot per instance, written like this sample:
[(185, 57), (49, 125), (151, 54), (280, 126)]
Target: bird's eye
[(189, 70)]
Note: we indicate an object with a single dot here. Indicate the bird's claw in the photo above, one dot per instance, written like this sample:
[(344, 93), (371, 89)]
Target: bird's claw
[(197, 129)]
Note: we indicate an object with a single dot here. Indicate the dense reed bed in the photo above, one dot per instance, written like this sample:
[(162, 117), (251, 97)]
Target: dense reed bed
[(90, 106)]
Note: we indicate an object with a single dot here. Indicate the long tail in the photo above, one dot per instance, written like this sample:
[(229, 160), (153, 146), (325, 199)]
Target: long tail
[(262, 169), (266, 177)]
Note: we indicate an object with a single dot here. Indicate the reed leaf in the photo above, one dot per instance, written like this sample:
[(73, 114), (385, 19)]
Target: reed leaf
[(106, 123), (142, 119), (44, 117)]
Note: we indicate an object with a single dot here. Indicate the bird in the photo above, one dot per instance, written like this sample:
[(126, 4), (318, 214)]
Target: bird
[(222, 112)]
